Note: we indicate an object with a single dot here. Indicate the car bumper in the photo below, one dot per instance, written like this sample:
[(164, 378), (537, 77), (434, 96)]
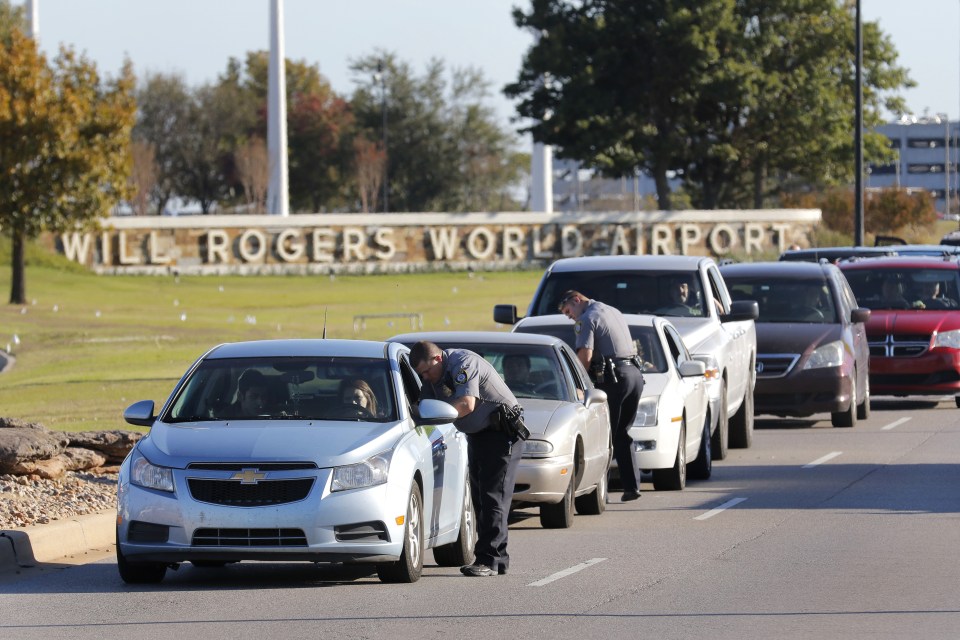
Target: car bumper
[(804, 393), (654, 447), (936, 372), (543, 480), (359, 525)]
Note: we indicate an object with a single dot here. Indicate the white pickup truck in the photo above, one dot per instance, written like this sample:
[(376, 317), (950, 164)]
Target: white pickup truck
[(690, 291)]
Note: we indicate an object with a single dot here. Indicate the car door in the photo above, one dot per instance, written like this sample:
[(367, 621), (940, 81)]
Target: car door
[(448, 456), (693, 387), (596, 427), (858, 332)]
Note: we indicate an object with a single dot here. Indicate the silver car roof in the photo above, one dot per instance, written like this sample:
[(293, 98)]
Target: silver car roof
[(627, 263), (300, 347), (558, 320), (476, 337)]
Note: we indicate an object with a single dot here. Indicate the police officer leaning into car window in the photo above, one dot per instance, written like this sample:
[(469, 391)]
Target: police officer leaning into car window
[(474, 388), (602, 331)]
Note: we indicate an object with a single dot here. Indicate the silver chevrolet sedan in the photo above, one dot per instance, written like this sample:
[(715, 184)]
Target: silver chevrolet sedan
[(310, 450), (565, 460)]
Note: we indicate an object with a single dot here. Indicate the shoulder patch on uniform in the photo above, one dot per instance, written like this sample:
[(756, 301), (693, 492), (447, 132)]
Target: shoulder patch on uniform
[(461, 377), (576, 327)]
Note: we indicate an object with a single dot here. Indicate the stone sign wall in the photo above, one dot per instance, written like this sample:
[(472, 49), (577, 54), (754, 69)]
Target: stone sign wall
[(371, 243)]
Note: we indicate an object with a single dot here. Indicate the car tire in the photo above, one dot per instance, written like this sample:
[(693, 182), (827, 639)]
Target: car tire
[(720, 441), (845, 419), (741, 424), (139, 572), (956, 399), (702, 467), (595, 502), (410, 565), (674, 478), (559, 515), (460, 551), (863, 409)]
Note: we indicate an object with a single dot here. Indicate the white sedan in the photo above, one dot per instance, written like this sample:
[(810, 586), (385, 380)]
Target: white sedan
[(295, 450), (671, 433)]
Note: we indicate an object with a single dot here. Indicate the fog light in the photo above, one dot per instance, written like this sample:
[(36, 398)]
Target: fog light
[(645, 445)]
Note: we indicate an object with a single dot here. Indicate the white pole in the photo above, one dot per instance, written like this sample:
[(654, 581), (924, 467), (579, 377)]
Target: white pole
[(541, 171), (277, 191), (33, 15)]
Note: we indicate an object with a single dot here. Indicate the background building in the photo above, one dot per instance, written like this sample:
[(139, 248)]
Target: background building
[(926, 158)]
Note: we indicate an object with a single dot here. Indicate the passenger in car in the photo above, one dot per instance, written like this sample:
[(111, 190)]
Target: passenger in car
[(358, 398), (516, 373), (891, 295), (252, 396)]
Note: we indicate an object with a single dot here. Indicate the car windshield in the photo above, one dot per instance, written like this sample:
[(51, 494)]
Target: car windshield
[(648, 345), (918, 289), (327, 388), (663, 293), (531, 371), (786, 300)]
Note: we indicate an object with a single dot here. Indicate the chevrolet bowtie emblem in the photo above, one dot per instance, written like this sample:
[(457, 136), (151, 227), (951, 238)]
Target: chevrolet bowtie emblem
[(248, 476)]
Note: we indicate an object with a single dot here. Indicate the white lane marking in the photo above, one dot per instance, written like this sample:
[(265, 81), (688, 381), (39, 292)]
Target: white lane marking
[(566, 572), (819, 461), (895, 424), (726, 505)]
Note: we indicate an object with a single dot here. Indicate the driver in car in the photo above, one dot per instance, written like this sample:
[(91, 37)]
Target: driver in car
[(358, 398)]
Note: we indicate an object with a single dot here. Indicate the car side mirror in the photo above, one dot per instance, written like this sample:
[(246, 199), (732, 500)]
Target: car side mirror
[(860, 314), (505, 313), (690, 368), (594, 396), (433, 412), (742, 310), (140, 414)]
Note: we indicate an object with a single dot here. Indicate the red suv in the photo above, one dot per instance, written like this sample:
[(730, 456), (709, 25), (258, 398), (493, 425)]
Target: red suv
[(914, 327)]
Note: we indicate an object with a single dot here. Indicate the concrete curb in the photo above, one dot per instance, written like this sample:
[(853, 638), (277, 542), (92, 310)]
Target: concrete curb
[(30, 546)]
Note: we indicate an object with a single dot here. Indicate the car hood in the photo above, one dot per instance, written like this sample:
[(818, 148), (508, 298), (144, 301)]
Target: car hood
[(327, 444), (883, 321), (545, 417), (694, 330), (794, 337)]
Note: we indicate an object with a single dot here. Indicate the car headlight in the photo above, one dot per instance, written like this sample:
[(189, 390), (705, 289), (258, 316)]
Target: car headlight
[(828, 355), (647, 412), (537, 448), (150, 476), (948, 339), (369, 473)]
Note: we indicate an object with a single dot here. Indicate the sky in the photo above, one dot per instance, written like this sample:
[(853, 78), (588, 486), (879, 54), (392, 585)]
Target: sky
[(197, 37)]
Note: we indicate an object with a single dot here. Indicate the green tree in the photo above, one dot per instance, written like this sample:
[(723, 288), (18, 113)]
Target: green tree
[(163, 102), (734, 96), (445, 151), (65, 155)]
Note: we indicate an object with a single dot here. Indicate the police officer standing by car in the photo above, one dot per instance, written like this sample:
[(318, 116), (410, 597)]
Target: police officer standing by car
[(488, 413), (607, 351)]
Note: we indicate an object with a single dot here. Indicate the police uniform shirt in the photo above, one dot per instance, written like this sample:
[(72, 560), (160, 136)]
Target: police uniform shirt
[(465, 373), (603, 329)]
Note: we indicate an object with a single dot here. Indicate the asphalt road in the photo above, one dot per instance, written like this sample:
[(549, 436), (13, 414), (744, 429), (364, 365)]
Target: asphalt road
[(815, 532)]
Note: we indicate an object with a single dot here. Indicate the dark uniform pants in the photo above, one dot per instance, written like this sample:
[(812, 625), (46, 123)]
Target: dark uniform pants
[(493, 462), (623, 398)]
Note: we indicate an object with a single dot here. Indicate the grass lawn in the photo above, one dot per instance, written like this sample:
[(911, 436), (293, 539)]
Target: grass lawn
[(88, 346)]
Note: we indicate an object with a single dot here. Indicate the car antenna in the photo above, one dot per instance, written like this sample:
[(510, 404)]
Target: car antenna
[(324, 336)]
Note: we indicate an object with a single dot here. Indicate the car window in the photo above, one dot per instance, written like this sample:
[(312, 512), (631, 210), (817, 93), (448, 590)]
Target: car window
[(530, 371), (649, 349), (915, 288), (320, 388), (675, 343), (787, 300), (651, 292), (572, 367)]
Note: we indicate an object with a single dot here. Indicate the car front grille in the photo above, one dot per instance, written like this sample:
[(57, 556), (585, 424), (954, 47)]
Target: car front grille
[(775, 365), (235, 493), (249, 538), (899, 346)]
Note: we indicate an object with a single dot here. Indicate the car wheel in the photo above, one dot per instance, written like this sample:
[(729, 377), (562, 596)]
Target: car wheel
[(846, 418), (595, 502), (410, 565), (702, 467), (460, 551), (957, 401), (741, 425), (863, 409), (559, 515), (139, 572), (674, 478), (719, 442)]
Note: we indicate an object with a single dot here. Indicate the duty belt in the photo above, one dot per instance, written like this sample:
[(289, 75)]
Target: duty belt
[(626, 361)]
